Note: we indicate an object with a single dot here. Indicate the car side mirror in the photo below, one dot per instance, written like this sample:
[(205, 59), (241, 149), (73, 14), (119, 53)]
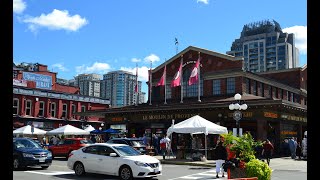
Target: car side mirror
[(113, 154)]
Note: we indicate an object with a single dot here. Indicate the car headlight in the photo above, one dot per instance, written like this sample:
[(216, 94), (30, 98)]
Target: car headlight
[(27, 155), (49, 154), (138, 163)]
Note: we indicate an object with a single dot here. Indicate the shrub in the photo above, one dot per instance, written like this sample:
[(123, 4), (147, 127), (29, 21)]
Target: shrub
[(257, 168)]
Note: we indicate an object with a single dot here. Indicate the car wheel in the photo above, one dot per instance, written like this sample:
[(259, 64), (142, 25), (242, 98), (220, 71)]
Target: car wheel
[(79, 169), (44, 167), (16, 163), (125, 173)]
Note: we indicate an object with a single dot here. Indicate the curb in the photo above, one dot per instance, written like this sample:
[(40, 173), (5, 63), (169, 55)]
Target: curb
[(187, 163)]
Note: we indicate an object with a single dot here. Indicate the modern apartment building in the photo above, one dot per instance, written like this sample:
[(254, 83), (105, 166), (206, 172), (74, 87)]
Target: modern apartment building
[(264, 47), (118, 87), (89, 84)]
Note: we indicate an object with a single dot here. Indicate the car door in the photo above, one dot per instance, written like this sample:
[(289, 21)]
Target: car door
[(105, 163), (89, 159)]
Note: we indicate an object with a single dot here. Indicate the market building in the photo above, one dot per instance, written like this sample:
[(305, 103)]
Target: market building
[(39, 100), (276, 100)]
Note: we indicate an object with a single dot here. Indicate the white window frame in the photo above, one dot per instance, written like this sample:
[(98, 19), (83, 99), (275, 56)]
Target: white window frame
[(16, 107), (53, 108), (64, 111), (83, 106), (74, 108), (28, 108), (41, 109)]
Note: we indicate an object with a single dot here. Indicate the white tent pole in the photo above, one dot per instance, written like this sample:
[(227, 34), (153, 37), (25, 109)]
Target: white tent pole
[(205, 145)]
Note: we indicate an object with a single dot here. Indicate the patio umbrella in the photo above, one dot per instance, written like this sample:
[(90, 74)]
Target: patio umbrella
[(89, 128), (111, 131), (26, 130), (96, 131), (68, 130)]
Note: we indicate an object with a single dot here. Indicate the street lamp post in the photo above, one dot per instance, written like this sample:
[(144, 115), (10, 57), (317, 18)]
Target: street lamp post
[(237, 106)]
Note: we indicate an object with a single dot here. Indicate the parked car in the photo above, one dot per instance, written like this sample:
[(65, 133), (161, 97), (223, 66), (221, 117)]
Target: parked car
[(65, 146), (113, 159), (27, 152), (136, 143)]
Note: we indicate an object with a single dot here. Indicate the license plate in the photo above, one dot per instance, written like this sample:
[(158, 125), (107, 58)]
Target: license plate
[(156, 171), (42, 159)]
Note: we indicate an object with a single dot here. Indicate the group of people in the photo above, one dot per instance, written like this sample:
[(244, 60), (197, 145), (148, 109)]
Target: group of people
[(291, 147)]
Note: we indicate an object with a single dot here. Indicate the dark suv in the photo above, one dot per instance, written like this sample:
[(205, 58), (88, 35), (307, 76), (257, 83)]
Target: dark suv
[(27, 152), (136, 143), (65, 146)]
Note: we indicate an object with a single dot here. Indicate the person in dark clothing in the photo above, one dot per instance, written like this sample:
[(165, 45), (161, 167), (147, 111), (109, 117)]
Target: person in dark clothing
[(298, 150), (93, 139), (155, 143), (221, 155), (267, 150)]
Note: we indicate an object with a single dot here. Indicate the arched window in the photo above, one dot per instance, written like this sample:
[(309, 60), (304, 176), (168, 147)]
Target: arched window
[(191, 91)]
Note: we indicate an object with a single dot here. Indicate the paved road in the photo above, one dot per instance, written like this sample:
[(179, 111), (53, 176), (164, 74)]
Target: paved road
[(283, 168)]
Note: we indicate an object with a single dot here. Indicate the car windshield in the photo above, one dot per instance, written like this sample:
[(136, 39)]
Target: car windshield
[(137, 143), (127, 151), (24, 143), (86, 141)]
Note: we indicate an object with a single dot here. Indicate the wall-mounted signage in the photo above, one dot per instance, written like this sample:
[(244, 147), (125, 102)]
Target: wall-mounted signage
[(42, 81), (167, 116), (270, 114), (18, 82)]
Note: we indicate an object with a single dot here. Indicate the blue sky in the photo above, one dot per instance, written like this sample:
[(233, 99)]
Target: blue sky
[(74, 37)]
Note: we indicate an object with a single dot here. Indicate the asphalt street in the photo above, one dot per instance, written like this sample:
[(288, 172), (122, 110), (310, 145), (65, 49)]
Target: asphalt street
[(283, 168)]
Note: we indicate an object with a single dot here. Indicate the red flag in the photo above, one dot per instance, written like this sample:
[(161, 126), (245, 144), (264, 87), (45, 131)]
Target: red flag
[(161, 82), (194, 74), (176, 80)]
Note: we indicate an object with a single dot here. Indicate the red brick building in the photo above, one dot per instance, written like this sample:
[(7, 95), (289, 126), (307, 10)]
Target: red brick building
[(277, 101), (39, 100)]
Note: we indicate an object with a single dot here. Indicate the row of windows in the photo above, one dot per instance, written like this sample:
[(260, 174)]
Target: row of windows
[(52, 108)]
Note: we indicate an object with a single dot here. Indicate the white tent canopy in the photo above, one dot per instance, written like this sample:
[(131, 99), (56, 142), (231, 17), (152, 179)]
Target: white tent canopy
[(89, 128), (197, 125), (26, 130), (68, 130)]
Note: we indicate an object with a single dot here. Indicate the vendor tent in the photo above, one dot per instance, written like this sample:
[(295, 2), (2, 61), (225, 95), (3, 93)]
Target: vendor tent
[(197, 125), (68, 130), (27, 130), (89, 128), (111, 131)]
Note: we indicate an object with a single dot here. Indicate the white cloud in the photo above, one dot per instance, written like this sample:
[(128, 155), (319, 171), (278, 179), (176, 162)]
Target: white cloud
[(135, 60), (142, 72), (60, 67), (56, 20), (98, 68), (203, 1), (19, 6), (300, 33), (152, 57)]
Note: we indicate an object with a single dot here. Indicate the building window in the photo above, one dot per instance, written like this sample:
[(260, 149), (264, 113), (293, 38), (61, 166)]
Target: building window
[(262, 89), (83, 108), (248, 89), (168, 92), (231, 85), (53, 109), (216, 87), (28, 107), (281, 93), (288, 96), (74, 107), (15, 106), (254, 84), (41, 109), (64, 111), (192, 90)]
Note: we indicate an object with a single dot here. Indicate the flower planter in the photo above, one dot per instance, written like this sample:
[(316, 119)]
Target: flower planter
[(237, 173)]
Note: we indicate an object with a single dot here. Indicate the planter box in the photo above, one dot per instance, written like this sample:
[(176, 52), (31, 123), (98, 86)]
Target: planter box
[(237, 173)]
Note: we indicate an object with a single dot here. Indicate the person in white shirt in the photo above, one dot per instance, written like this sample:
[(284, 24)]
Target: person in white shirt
[(164, 145)]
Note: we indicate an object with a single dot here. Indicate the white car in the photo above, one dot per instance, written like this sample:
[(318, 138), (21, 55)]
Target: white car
[(113, 159)]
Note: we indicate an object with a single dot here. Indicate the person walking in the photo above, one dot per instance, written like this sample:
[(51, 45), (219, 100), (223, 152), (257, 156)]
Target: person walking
[(293, 147), (267, 150), (164, 142), (298, 150), (221, 155), (155, 143)]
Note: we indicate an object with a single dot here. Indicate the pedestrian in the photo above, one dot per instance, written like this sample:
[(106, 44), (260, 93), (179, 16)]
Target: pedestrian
[(164, 145), (55, 140), (93, 139), (144, 139), (155, 143), (133, 136), (293, 147), (267, 150), (298, 150), (221, 155)]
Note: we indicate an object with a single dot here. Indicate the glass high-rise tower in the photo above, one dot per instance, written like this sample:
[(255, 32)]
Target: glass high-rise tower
[(264, 47)]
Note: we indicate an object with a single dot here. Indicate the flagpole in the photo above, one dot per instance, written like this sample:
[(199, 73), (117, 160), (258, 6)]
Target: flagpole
[(150, 83), (199, 80), (165, 83), (137, 84), (181, 80)]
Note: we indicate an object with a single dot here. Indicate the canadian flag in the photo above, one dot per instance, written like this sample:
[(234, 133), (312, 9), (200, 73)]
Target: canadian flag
[(194, 74), (161, 82), (177, 77)]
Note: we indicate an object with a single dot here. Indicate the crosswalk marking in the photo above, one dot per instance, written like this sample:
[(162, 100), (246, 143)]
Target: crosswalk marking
[(51, 173), (203, 175)]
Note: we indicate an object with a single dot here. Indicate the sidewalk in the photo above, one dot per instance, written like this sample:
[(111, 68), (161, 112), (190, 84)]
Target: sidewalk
[(173, 160)]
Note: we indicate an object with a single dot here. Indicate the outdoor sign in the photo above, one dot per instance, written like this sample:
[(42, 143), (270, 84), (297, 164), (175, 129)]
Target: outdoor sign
[(18, 82), (42, 81)]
